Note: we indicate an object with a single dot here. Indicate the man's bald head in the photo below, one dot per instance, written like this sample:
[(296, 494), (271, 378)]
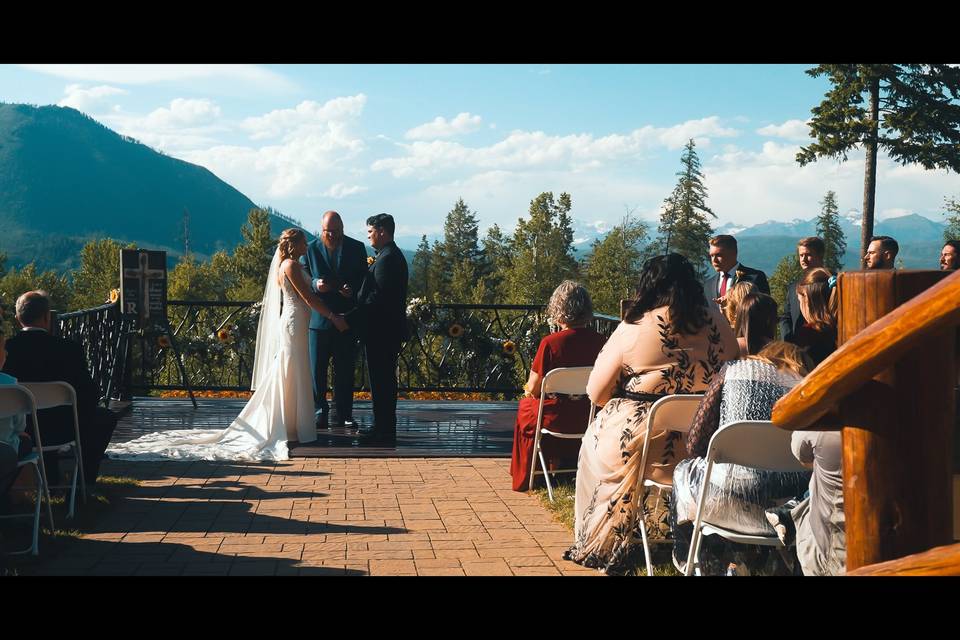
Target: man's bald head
[(332, 232)]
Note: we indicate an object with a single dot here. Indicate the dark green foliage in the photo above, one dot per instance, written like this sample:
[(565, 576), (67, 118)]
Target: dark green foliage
[(541, 251), (99, 272), (787, 272), (684, 227), (420, 271), (612, 268), (829, 230)]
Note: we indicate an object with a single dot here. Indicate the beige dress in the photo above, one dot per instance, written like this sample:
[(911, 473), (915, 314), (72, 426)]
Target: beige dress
[(639, 362)]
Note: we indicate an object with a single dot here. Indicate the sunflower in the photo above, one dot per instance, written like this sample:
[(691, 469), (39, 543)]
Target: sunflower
[(455, 330), (164, 342), (223, 335), (370, 260), (509, 348), (114, 295)]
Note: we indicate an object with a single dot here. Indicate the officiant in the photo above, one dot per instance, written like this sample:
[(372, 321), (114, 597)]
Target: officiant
[(337, 265)]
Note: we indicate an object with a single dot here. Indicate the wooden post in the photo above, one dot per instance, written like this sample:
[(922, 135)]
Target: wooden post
[(897, 429)]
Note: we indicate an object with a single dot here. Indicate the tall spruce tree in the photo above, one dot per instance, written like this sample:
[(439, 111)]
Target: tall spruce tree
[(251, 258), (497, 262), (461, 246), (912, 112), (684, 226), (952, 231), (542, 250), (829, 230), (420, 270), (612, 268)]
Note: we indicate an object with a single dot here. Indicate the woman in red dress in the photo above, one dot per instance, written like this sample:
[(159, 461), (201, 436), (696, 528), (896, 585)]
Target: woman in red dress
[(574, 345)]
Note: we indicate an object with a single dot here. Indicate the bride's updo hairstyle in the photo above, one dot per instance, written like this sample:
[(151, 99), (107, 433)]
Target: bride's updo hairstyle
[(288, 239)]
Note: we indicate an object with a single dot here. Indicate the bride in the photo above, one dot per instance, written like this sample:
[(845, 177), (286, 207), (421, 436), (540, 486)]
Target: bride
[(281, 408)]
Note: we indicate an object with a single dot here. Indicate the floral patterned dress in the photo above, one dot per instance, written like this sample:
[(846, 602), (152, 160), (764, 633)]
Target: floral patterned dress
[(641, 362)]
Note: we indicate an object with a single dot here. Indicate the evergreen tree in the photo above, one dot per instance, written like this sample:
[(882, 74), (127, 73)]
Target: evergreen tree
[(420, 270), (99, 272), (542, 251), (438, 274), (497, 262), (952, 231), (829, 230), (251, 258), (462, 251), (786, 273), (684, 227), (912, 112), (612, 268)]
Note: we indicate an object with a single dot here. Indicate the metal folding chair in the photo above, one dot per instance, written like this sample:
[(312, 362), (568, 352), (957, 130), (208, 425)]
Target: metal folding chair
[(58, 394), (749, 443), (17, 400), (672, 413), (568, 381)]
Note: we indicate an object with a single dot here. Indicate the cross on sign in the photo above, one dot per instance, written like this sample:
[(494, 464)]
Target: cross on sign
[(144, 274)]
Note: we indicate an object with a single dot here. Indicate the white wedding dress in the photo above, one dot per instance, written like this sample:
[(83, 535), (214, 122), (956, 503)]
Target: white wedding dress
[(280, 409)]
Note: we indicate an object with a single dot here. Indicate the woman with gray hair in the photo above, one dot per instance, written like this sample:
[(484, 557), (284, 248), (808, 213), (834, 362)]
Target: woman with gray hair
[(574, 344)]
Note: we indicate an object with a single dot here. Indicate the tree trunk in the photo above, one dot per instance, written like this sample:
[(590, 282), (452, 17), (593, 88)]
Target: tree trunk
[(870, 172)]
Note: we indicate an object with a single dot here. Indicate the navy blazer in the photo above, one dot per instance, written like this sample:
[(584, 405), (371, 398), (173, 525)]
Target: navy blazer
[(744, 274), (382, 301), (353, 268)]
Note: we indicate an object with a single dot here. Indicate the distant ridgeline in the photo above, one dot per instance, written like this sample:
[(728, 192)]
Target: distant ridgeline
[(66, 179)]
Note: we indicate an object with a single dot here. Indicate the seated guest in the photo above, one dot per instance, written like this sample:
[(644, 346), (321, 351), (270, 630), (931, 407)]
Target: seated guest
[(671, 341), (36, 356), (574, 345), (881, 253), (950, 256), (818, 304), (14, 441), (756, 323), (810, 252), (723, 258), (733, 299), (745, 389), (817, 519)]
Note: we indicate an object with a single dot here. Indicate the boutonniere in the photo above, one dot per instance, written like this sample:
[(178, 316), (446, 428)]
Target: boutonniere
[(370, 260), (740, 274)]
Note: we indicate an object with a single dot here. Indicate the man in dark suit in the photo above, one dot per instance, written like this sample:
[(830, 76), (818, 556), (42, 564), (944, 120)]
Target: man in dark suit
[(881, 253), (36, 356), (810, 255), (723, 258), (337, 267), (381, 315)]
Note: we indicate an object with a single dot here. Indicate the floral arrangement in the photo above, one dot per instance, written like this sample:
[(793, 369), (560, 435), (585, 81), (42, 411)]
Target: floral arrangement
[(455, 330)]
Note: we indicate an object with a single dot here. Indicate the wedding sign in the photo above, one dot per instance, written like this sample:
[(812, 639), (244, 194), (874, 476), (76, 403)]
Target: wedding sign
[(143, 285)]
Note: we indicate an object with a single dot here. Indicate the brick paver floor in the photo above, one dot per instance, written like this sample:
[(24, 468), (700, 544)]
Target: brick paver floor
[(320, 516)]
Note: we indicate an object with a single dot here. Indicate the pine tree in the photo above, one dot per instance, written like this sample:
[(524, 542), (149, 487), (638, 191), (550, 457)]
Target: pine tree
[(251, 258), (496, 263), (438, 274), (612, 268), (786, 273), (829, 230), (542, 251), (684, 227), (952, 231), (912, 112), (462, 251), (420, 270)]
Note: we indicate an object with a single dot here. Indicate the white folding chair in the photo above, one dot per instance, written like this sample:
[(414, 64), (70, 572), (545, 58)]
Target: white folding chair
[(565, 380), (59, 394), (672, 413), (17, 400), (749, 443)]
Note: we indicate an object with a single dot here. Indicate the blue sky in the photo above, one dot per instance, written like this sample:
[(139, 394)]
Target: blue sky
[(411, 139)]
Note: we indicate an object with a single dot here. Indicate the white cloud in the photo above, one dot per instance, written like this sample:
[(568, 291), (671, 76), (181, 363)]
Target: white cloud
[(307, 114), (797, 130), (142, 74), (440, 127), (524, 149), (88, 99), (182, 113), (341, 190)]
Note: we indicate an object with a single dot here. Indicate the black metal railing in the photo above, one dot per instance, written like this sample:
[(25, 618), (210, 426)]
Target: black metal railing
[(453, 348), (101, 332)]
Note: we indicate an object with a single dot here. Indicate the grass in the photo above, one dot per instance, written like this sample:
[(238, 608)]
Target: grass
[(16, 534), (562, 509)]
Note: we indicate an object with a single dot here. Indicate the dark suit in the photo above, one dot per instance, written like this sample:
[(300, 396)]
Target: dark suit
[(790, 316), (325, 340), (382, 317), (711, 286), (36, 356)]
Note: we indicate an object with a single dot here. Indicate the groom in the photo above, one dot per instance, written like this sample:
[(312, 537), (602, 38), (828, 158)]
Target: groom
[(337, 266), (382, 314)]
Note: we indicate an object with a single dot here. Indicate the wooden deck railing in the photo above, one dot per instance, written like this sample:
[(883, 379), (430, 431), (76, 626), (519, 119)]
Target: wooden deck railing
[(890, 389)]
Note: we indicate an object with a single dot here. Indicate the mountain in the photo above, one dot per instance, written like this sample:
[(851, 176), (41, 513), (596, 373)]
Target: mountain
[(66, 179)]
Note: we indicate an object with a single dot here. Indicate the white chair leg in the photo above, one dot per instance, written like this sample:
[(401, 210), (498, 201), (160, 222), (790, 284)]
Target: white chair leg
[(646, 544), (546, 474)]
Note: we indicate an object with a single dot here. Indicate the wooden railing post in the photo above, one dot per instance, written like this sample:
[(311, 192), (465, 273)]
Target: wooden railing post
[(897, 429)]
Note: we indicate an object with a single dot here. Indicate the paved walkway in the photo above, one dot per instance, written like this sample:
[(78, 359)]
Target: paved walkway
[(319, 516)]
